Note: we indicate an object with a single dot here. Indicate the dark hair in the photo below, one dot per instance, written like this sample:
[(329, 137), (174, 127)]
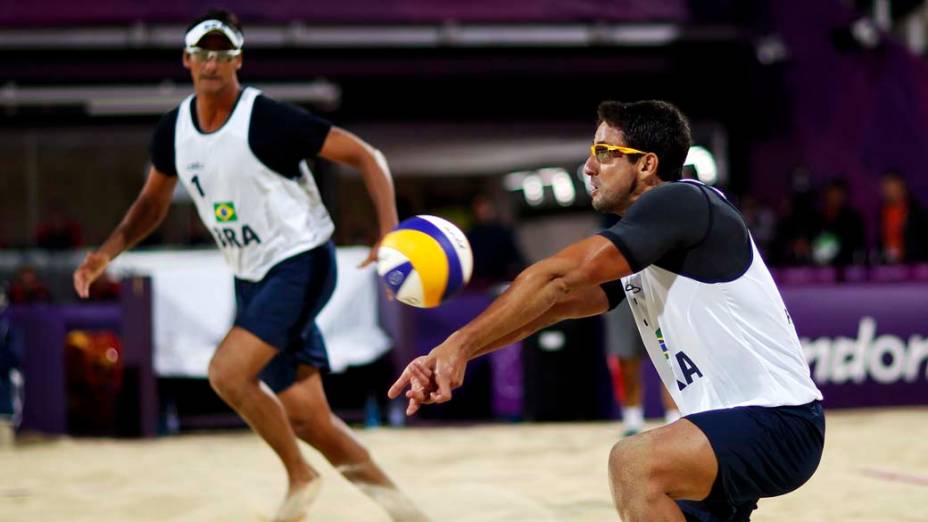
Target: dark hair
[(652, 126), (223, 15)]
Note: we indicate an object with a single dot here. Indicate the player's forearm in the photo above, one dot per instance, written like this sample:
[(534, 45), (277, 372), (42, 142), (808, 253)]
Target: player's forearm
[(142, 218), (514, 313), (581, 302), (546, 320), (379, 183)]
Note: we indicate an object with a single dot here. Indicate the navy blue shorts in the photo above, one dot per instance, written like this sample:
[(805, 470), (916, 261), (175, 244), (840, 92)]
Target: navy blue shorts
[(281, 310), (762, 452)]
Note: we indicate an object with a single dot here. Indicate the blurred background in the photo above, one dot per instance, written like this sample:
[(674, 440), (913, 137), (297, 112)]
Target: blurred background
[(811, 116)]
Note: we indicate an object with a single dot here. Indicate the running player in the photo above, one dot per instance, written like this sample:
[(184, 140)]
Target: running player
[(242, 157)]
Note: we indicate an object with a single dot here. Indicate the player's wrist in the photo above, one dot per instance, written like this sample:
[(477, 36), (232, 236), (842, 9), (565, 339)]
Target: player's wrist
[(103, 255), (461, 345)]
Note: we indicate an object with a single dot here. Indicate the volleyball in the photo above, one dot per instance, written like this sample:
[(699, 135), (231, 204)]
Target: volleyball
[(424, 261)]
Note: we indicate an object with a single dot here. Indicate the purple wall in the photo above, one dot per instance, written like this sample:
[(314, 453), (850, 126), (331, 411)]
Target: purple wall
[(853, 112), (867, 343)]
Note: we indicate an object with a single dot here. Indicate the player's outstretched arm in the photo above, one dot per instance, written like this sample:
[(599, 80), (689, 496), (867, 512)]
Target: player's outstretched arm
[(145, 214), (344, 147), (584, 302), (561, 286)]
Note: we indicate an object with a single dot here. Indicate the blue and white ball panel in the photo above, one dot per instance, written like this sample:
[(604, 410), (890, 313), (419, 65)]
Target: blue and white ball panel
[(454, 244), (424, 261)]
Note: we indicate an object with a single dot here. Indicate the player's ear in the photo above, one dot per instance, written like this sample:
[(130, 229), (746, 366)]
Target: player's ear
[(238, 62), (649, 163), (186, 60)]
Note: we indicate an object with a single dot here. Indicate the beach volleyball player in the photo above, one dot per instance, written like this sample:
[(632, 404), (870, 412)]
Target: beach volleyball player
[(708, 311), (242, 157)]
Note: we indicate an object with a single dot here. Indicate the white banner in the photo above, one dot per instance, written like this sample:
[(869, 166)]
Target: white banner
[(194, 306)]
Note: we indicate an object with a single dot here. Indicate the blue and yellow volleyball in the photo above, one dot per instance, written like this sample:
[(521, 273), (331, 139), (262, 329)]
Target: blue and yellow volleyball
[(424, 261)]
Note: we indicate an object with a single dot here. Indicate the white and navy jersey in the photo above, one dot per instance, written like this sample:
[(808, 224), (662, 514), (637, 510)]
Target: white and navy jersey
[(249, 179), (708, 311)]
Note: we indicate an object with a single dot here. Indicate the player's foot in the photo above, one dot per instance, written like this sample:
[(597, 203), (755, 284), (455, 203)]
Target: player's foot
[(632, 420), (394, 502), (296, 505)]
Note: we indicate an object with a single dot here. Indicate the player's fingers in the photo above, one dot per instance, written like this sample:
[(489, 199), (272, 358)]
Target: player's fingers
[(443, 380), (371, 257), (400, 383), (81, 284), (413, 407), (422, 374), (77, 281), (417, 391)]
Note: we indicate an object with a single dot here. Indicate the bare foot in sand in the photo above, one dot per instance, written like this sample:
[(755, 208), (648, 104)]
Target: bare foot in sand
[(298, 500)]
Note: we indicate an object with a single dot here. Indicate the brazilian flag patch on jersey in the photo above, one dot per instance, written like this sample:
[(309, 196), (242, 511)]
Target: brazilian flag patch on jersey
[(225, 212)]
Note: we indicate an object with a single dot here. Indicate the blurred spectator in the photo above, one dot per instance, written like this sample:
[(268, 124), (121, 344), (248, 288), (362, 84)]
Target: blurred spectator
[(792, 243), (903, 222), (839, 238), (497, 257), (58, 231), (28, 288), (761, 221)]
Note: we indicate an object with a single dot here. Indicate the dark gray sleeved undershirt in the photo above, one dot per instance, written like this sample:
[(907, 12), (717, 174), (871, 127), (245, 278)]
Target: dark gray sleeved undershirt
[(686, 228)]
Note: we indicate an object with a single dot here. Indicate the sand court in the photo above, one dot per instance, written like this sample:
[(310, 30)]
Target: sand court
[(875, 468)]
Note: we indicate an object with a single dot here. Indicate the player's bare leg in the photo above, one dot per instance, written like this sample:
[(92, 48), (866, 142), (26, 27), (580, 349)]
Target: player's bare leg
[(649, 471), (633, 389), (314, 422), (233, 373)]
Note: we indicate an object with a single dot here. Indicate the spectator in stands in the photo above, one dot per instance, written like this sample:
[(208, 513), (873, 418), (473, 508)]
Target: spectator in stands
[(497, 256), (28, 288), (839, 237), (792, 243), (761, 221), (903, 222)]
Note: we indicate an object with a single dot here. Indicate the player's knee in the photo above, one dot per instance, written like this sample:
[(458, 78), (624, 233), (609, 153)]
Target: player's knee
[(628, 465), (223, 380), (311, 427), (303, 429)]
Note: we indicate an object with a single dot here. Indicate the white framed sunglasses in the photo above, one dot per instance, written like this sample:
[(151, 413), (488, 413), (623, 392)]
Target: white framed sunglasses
[(204, 55)]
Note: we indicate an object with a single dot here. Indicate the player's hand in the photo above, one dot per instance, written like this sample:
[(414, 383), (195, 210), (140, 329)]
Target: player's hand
[(88, 271), (372, 256), (418, 378), (432, 377)]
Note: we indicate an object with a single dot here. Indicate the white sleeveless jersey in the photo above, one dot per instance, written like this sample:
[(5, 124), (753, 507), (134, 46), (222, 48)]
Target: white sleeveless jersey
[(257, 216), (723, 344)]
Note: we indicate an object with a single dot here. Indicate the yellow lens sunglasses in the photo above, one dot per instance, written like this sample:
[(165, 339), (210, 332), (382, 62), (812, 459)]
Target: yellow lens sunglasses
[(603, 152)]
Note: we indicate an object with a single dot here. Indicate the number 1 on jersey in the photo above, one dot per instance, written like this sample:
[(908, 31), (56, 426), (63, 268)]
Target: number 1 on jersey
[(196, 181)]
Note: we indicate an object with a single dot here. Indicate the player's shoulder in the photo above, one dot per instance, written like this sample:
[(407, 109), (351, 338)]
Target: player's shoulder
[(681, 188), (265, 105), (164, 130), (169, 118), (676, 194)]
